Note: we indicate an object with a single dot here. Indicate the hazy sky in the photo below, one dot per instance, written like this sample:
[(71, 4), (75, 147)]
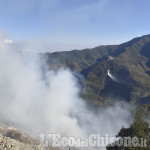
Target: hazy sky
[(74, 24)]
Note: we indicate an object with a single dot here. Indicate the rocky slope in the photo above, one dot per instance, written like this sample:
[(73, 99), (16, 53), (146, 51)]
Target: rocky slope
[(13, 139), (7, 143)]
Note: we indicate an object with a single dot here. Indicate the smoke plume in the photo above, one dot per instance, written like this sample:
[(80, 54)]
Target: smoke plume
[(42, 100)]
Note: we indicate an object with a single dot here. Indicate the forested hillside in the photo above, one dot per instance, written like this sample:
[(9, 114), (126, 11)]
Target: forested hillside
[(128, 63)]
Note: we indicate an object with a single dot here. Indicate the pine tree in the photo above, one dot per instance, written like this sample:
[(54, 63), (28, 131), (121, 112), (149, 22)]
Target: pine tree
[(140, 129)]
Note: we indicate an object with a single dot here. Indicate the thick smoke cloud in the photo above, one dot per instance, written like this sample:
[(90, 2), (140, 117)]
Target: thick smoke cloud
[(47, 101)]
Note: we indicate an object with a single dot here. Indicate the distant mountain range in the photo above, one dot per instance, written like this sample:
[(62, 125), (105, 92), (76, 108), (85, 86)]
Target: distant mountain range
[(128, 63)]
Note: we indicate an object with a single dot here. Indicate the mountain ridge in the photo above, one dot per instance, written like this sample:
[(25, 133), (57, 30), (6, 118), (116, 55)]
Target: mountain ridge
[(130, 64)]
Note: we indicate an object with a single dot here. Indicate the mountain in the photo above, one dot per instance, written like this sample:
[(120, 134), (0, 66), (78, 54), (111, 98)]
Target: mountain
[(128, 63)]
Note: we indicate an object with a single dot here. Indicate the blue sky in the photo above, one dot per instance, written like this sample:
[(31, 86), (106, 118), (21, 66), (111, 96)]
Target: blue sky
[(74, 24)]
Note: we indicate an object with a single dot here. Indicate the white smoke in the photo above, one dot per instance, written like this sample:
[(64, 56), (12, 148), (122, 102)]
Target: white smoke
[(48, 101)]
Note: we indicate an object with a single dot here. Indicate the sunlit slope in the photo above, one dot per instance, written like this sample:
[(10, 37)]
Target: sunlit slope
[(130, 66)]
